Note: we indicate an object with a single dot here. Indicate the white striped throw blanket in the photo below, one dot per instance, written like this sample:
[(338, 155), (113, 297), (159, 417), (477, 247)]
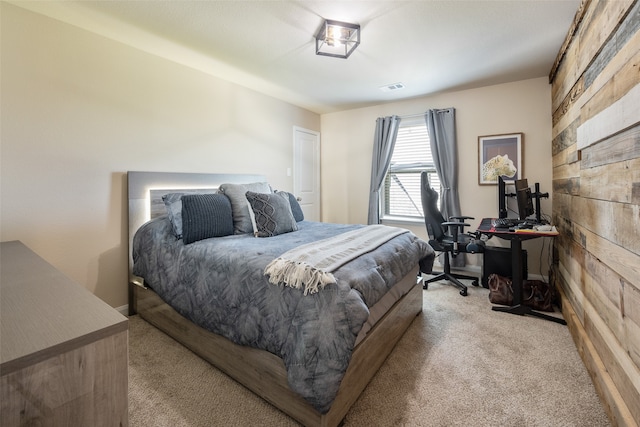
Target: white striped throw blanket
[(310, 266)]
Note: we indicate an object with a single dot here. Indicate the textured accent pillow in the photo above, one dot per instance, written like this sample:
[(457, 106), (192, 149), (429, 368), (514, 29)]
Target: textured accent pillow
[(236, 194), (296, 210), (205, 216), (272, 213)]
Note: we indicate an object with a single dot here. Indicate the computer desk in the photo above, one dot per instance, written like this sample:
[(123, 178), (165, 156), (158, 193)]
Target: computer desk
[(517, 237)]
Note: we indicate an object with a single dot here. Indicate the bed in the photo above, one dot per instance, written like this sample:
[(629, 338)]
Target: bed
[(309, 351)]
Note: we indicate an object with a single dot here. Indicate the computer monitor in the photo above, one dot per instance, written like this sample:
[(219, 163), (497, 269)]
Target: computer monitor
[(502, 194), (507, 203), (525, 199), (515, 200)]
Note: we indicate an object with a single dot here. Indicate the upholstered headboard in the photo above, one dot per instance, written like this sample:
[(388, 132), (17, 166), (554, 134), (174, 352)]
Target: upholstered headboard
[(146, 189)]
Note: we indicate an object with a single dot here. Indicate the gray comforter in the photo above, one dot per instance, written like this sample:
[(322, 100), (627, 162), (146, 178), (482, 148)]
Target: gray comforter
[(219, 284)]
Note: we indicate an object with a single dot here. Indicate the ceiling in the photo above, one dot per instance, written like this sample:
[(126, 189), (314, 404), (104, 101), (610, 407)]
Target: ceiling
[(428, 46)]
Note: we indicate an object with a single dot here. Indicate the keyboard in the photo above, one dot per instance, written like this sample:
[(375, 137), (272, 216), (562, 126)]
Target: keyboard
[(505, 222)]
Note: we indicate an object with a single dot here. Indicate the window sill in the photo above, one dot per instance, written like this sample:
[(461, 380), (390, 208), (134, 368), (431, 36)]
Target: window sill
[(401, 220)]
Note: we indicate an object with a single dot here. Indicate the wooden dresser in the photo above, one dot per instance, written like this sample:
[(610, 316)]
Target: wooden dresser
[(64, 353)]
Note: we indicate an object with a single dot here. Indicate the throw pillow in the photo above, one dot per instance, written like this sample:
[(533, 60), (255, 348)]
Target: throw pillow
[(205, 216), (173, 203), (296, 210), (272, 214), (236, 194)]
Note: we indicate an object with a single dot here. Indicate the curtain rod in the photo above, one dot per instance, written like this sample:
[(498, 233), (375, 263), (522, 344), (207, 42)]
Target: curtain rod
[(412, 116)]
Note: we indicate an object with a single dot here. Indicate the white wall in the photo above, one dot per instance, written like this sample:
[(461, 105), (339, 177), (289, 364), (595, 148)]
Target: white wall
[(79, 110), (524, 106)]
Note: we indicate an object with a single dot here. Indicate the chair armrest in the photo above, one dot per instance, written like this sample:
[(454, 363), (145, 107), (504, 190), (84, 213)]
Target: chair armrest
[(460, 218), (460, 225), (455, 228), (456, 224)]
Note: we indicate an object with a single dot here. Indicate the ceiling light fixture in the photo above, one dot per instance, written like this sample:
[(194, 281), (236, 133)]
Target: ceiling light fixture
[(337, 39)]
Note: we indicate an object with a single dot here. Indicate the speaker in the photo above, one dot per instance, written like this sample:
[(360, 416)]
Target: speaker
[(498, 260)]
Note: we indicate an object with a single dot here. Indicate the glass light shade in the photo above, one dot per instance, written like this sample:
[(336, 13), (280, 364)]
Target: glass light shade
[(337, 39)]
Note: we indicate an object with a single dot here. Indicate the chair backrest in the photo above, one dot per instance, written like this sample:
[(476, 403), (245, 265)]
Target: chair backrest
[(433, 219)]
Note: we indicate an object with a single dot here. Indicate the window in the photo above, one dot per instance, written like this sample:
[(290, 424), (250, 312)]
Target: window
[(411, 155)]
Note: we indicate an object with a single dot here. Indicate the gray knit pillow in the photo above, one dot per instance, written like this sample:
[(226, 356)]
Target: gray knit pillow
[(272, 213), (205, 216)]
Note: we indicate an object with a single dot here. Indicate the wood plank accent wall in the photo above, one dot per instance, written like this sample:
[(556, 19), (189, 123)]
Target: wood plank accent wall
[(596, 196)]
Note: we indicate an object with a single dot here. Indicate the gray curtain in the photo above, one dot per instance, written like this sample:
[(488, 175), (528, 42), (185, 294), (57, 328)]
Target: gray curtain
[(441, 126), (383, 143)]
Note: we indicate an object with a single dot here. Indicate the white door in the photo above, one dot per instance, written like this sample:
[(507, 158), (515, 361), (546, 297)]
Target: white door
[(306, 171)]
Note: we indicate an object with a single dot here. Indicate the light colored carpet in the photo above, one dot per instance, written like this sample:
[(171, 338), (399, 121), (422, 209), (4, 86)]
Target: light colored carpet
[(459, 364)]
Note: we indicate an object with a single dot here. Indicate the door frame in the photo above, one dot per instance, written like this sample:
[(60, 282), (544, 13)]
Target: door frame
[(297, 166)]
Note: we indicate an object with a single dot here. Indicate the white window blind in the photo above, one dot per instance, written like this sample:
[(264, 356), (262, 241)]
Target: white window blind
[(411, 155)]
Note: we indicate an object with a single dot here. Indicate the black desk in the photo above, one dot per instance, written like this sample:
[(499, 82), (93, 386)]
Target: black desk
[(516, 238)]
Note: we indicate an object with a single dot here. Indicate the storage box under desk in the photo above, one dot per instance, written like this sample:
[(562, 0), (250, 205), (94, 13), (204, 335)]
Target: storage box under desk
[(497, 259)]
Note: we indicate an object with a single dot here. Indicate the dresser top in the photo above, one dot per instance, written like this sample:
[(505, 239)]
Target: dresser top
[(43, 312)]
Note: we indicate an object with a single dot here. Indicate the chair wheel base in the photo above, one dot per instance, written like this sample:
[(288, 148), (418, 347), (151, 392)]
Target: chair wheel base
[(475, 283), (453, 279)]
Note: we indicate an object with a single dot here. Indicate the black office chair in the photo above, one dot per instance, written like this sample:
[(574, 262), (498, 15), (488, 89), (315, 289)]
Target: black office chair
[(447, 237)]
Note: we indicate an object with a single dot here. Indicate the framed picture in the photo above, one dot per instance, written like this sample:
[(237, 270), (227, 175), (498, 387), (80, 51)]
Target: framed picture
[(499, 155)]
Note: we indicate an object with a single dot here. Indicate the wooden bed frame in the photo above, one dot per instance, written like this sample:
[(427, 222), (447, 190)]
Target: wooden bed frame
[(258, 370)]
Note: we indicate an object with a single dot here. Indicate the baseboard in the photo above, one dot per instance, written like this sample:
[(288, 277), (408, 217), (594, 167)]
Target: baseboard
[(123, 309), (476, 270), (471, 269)]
